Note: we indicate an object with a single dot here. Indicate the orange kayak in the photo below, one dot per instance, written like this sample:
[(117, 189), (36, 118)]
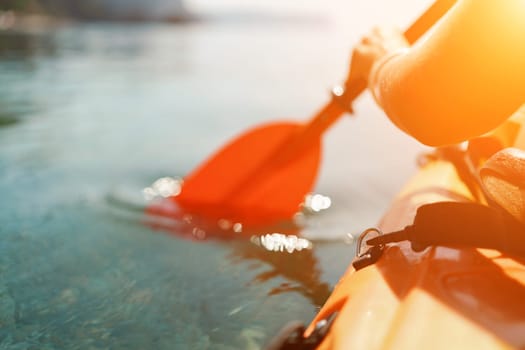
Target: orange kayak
[(442, 297), (439, 298)]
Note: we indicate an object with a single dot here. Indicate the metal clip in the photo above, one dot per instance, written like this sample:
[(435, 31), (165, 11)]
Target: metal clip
[(366, 255)]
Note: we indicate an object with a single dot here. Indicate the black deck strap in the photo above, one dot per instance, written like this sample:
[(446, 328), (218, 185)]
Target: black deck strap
[(368, 258), (463, 225)]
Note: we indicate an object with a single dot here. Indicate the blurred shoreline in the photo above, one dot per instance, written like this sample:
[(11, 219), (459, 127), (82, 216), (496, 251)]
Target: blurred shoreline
[(31, 15), (22, 22)]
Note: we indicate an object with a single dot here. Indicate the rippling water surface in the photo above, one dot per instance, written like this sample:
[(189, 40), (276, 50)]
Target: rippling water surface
[(91, 114)]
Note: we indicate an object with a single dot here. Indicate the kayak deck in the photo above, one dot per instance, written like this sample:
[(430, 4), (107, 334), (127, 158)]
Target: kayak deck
[(442, 297)]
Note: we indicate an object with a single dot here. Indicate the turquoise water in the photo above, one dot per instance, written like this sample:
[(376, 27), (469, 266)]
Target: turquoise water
[(90, 114)]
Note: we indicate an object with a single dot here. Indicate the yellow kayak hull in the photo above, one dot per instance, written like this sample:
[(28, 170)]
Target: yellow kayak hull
[(440, 298)]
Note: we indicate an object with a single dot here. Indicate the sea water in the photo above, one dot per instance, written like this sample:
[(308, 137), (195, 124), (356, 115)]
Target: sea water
[(91, 114)]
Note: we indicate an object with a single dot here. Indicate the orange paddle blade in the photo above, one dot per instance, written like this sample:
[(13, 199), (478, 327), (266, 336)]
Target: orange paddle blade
[(249, 180)]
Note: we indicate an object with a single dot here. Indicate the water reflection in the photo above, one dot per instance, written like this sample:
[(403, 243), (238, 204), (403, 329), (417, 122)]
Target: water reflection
[(162, 212), (161, 197), (279, 246), (289, 256), (277, 242), (301, 271)]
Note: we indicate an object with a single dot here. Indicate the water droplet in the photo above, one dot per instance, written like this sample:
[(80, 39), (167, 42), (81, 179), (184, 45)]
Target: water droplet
[(338, 90), (224, 224), (237, 227), (317, 202), (148, 193), (163, 187), (198, 233)]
